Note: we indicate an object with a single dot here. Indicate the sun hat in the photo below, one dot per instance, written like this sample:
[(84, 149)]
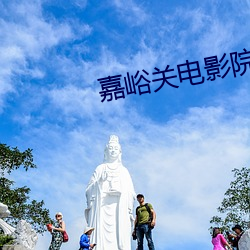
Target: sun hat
[(59, 213), (87, 229)]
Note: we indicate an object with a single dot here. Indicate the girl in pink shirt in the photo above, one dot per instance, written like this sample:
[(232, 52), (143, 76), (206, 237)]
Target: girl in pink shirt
[(218, 240)]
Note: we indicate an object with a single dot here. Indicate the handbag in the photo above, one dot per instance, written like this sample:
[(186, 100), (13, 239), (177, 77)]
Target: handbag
[(65, 236)]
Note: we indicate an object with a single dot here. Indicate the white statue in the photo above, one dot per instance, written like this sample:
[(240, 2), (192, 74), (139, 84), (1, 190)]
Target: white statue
[(4, 212), (110, 197), (25, 235), (244, 242)]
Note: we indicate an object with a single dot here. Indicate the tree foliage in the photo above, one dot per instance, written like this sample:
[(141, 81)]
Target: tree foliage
[(17, 199), (6, 239), (235, 206), (12, 159)]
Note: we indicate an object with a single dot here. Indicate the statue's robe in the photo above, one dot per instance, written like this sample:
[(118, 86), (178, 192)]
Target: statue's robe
[(110, 197), (244, 242)]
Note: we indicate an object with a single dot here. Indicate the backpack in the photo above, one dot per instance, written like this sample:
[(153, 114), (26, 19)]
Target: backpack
[(149, 212)]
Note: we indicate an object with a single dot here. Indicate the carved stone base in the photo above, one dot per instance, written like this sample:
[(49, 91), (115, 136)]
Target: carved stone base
[(13, 247)]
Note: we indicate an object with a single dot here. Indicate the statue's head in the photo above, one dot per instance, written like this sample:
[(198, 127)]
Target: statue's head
[(113, 150)]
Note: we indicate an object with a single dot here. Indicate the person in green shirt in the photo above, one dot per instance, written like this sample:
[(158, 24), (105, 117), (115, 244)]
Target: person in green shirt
[(144, 223)]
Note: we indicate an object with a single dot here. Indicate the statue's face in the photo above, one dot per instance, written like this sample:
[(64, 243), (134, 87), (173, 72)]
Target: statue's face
[(114, 150)]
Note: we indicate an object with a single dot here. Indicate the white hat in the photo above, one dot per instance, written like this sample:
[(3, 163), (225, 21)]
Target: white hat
[(59, 213), (87, 229)]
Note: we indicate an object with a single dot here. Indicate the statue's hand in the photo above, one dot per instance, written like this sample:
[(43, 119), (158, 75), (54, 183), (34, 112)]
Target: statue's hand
[(90, 202), (104, 176), (132, 217)]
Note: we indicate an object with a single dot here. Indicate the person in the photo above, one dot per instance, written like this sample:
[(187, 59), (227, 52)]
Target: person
[(142, 226), (239, 231), (110, 198), (218, 240), (231, 240), (85, 239), (56, 231)]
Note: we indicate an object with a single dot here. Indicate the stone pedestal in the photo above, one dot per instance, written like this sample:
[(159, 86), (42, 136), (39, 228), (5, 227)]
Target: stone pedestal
[(13, 247)]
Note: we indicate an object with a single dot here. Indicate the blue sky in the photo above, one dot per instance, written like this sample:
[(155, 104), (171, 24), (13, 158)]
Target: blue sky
[(179, 144)]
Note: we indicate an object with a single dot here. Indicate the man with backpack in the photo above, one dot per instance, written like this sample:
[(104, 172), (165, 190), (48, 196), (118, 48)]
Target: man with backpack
[(144, 223)]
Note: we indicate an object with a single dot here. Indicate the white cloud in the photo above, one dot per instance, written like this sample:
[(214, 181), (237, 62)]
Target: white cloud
[(107, 64), (25, 39), (83, 103), (32, 33), (131, 12), (80, 3), (211, 34)]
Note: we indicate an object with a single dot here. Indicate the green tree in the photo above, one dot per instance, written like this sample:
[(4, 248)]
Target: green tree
[(17, 199), (235, 207)]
